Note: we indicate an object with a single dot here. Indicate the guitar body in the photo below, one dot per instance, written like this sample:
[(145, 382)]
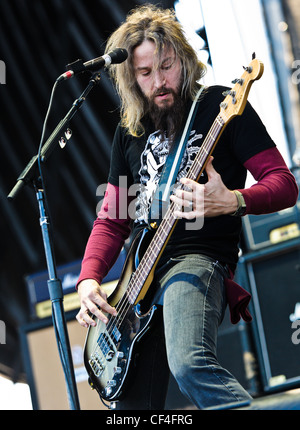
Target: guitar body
[(110, 348)]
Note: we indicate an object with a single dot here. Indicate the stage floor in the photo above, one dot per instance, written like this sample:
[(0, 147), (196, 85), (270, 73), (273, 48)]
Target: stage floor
[(288, 400)]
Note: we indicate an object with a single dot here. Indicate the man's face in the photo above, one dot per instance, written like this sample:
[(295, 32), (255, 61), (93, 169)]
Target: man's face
[(157, 83)]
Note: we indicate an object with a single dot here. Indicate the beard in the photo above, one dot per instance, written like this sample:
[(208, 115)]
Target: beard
[(167, 118)]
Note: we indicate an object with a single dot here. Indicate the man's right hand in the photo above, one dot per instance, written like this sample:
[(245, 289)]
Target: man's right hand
[(93, 300)]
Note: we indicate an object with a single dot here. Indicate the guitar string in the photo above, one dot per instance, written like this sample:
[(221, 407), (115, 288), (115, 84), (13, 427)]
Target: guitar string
[(124, 303)]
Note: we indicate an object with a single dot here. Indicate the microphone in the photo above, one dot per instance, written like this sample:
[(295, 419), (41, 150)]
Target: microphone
[(116, 56)]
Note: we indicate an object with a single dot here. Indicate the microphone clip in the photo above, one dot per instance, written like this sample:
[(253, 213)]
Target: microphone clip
[(76, 67)]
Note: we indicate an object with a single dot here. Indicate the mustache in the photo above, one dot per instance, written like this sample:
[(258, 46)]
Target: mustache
[(162, 90)]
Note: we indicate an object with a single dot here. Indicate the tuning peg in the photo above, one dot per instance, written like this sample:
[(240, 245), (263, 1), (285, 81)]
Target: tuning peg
[(248, 69), (253, 56), (223, 105), (229, 93), (238, 81)]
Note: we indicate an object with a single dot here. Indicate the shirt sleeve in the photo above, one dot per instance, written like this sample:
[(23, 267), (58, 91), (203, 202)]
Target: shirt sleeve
[(276, 187), (110, 230)]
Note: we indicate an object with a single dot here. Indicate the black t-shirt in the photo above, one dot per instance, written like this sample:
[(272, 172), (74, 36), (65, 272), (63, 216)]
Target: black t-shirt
[(140, 161)]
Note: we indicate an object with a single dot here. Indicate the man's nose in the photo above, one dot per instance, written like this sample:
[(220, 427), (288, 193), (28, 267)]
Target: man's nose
[(159, 78)]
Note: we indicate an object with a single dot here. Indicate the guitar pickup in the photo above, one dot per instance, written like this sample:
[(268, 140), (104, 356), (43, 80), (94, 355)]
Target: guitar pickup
[(96, 365), (106, 346)]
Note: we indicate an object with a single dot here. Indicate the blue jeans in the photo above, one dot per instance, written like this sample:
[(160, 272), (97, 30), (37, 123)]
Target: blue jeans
[(194, 305), (191, 289)]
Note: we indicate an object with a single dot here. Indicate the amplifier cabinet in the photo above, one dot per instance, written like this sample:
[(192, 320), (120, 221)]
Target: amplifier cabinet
[(38, 293), (45, 375), (43, 368), (272, 276), (261, 231)]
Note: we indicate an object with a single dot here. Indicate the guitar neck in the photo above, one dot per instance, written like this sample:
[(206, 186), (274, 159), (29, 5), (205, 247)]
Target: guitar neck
[(169, 221), (206, 149)]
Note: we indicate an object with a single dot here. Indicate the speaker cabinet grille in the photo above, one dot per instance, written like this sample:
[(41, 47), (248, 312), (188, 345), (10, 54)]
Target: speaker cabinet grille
[(273, 278)]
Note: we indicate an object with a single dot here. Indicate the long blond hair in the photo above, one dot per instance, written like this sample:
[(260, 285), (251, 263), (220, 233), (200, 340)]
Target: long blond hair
[(161, 27)]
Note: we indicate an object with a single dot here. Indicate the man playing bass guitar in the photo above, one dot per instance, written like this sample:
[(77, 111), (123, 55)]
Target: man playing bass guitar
[(191, 283)]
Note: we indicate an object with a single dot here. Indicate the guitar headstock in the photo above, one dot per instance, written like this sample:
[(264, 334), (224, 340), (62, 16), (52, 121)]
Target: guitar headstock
[(236, 98)]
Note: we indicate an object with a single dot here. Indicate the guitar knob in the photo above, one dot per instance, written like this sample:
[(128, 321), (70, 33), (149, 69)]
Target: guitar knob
[(117, 370), (120, 354), (108, 391)]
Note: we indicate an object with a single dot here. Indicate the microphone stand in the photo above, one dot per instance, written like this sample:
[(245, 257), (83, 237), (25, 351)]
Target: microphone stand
[(30, 176)]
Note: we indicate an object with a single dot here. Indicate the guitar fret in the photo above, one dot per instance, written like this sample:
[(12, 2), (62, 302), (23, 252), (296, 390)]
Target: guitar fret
[(197, 165), (211, 136), (220, 120), (148, 261)]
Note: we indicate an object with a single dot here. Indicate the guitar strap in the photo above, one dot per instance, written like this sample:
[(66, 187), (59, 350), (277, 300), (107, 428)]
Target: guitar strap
[(161, 198)]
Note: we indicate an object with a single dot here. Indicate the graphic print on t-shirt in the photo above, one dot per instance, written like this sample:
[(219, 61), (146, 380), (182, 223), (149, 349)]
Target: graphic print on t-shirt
[(153, 159)]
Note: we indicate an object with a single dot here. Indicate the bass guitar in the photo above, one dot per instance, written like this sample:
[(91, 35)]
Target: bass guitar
[(110, 348)]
